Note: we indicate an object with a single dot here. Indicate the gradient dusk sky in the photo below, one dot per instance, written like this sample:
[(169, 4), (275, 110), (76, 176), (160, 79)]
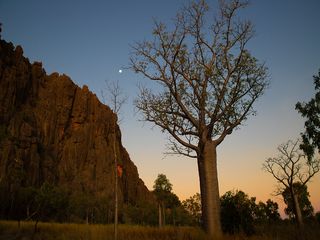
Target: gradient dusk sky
[(90, 42)]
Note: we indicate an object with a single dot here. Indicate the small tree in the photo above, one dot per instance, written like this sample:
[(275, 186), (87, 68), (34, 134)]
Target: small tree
[(162, 189), (161, 185), (289, 168), (272, 211), (208, 81), (267, 212), (169, 202), (116, 98), (237, 212)]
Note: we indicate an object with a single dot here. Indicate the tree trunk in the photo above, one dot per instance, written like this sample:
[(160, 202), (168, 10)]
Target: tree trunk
[(296, 208), (163, 215), (87, 216), (298, 214), (160, 216), (209, 187)]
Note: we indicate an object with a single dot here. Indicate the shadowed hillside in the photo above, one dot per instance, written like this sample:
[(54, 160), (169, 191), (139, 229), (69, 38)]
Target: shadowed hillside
[(54, 132)]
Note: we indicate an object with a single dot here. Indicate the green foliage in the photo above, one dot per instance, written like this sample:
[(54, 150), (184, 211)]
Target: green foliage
[(84, 207), (237, 213), (170, 206), (42, 204), (303, 199), (311, 111), (144, 214), (267, 212), (193, 207), (162, 184), (272, 211), (162, 189), (52, 203)]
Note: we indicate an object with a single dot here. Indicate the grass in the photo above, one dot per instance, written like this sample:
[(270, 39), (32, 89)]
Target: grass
[(10, 230), (55, 231)]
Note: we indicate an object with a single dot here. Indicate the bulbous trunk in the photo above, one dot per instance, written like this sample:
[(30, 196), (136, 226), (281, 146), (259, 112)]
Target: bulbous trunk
[(209, 187)]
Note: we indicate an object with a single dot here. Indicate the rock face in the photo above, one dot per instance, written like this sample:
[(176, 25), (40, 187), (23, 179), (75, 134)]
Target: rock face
[(53, 131)]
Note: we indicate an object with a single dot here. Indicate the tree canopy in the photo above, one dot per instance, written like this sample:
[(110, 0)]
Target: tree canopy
[(237, 212), (209, 78), (311, 111), (193, 206), (291, 165), (289, 168), (162, 184), (208, 82)]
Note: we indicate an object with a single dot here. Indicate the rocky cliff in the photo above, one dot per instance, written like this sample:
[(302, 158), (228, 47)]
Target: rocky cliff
[(53, 131)]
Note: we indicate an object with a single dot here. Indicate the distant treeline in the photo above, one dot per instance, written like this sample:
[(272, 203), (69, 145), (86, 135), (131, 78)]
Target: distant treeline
[(239, 212), (53, 203)]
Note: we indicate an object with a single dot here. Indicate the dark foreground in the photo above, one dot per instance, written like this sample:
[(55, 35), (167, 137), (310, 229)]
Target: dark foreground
[(10, 230)]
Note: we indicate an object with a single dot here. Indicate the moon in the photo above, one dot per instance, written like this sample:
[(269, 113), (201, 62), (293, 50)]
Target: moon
[(120, 71)]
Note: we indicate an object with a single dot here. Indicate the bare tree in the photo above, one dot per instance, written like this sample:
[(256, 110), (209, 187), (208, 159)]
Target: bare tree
[(208, 83), (115, 96), (290, 167)]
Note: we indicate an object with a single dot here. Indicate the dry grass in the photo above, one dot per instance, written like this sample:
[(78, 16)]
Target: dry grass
[(10, 230), (54, 231)]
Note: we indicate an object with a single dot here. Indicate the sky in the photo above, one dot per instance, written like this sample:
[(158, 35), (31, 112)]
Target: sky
[(90, 41)]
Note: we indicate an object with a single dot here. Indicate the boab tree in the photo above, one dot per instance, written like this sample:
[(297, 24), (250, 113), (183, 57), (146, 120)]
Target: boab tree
[(208, 83), (290, 168)]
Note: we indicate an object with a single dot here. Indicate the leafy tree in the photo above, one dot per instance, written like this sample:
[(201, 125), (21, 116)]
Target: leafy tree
[(272, 211), (162, 189), (162, 184), (170, 208), (83, 206), (311, 111), (267, 212), (142, 214), (291, 168), (193, 207), (52, 203), (303, 200), (180, 217), (208, 81), (237, 212)]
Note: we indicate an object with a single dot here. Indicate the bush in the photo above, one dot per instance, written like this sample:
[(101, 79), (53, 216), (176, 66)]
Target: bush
[(237, 213)]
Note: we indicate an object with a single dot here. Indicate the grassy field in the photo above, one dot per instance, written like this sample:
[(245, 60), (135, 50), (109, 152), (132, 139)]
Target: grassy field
[(10, 230)]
